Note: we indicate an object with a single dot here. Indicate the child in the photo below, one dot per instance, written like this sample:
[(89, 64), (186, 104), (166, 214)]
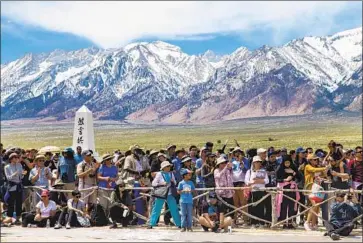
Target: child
[(185, 189)]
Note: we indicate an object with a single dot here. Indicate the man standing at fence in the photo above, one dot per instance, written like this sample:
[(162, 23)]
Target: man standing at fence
[(86, 171), (66, 170)]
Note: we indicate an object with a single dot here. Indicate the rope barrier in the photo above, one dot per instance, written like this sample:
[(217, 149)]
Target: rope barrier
[(271, 191)]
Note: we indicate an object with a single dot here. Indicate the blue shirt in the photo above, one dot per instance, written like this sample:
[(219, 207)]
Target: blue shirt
[(78, 158), (186, 197), (106, 171), (68, 167), (177, 166), (198, 165)]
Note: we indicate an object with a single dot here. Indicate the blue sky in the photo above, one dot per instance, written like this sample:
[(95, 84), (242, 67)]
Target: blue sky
[(22, 32)]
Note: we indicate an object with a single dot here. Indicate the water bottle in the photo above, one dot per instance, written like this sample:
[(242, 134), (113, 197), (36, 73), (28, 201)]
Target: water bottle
[(48, 223)]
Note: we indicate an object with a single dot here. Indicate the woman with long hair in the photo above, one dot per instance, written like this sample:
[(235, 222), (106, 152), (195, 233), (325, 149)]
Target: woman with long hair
[(286, 174), (312, 175), (121, 204)]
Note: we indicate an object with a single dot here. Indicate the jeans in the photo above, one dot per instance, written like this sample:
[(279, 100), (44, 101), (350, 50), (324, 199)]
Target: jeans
[(140, 204), (186, 210), (325, 206), (341, 230), (15, 203)]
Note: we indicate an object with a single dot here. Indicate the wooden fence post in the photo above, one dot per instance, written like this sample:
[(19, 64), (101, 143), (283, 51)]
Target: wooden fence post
[(273, 214)]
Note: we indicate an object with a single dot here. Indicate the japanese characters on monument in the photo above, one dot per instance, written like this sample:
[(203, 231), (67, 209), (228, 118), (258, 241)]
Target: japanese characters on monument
[(83, 134)]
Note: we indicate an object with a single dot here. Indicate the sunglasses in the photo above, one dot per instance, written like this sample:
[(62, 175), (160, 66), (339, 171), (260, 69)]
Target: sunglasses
[(78, 196), (359, 152)]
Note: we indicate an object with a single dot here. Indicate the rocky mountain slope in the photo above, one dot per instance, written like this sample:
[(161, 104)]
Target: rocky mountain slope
[(158, 82)]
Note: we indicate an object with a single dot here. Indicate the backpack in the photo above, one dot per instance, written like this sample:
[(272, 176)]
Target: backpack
[(98, 216)]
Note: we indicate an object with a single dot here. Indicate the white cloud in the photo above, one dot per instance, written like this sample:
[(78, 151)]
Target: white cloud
[(113, 24)]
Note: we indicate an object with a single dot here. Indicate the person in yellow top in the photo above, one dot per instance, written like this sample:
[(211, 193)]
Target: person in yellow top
[(311, 172)]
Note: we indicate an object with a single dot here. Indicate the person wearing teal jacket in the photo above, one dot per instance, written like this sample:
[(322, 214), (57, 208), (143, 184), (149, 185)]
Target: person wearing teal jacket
[(162, 178)]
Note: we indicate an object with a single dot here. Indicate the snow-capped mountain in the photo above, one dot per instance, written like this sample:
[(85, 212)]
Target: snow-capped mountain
[(159, 82)]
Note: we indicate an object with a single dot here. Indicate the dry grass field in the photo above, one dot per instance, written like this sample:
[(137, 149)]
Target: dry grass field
[(314, 131)]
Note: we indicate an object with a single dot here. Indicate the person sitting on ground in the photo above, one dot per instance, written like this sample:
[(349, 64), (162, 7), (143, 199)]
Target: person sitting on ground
[(343, 211), (45, 210), (213, 215), (75, 209), (121, 210)]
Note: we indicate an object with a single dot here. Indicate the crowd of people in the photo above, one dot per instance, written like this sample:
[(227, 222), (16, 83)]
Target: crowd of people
[(133, 187)]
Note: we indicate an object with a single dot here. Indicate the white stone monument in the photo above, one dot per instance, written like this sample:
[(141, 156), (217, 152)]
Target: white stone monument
[(83, 134)]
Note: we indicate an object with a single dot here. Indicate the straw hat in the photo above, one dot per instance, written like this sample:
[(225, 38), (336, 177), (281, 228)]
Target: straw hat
[(107, 157), (59, 182), (164, 164), (221, 160), (152, 152)]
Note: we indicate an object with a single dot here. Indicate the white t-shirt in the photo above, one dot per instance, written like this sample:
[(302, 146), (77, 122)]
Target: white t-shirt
[(45, 211)]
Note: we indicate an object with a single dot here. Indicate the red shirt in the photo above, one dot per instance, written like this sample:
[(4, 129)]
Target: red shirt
[(356, 170)]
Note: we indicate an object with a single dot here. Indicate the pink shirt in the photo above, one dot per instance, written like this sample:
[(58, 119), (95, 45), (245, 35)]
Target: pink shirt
[(223, 178)]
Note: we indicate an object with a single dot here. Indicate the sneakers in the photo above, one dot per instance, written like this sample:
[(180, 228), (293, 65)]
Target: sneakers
[(183, 230), (290, 226), (17, 222), (285, 226), (205, 228), (113, 226), (315, 227), (190, 230), (57, 226), (149, 227), (334, 236), (307, 226), (68, 226)]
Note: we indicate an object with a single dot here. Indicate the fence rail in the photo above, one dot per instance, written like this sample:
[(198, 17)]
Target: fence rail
[(271, 192)]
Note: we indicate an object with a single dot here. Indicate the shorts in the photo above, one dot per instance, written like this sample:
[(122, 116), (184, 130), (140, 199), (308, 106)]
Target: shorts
[(87, 196)]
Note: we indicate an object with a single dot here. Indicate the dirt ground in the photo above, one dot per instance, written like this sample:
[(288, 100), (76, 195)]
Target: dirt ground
[(19, 234)]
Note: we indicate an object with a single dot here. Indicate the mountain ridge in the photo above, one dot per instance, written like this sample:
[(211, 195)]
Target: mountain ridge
[(135, 81)]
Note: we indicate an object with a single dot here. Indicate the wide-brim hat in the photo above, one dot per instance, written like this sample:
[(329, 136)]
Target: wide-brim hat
[(38, 157), (237, 149), (221, 160), (59, 182), (120, 182), (256, 159), (152, 152), (106, 157), (261, 150), (68, 150), (186, 159), (164, 164), (129, 183), (161, 154), (170, 146), (13, 155)]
